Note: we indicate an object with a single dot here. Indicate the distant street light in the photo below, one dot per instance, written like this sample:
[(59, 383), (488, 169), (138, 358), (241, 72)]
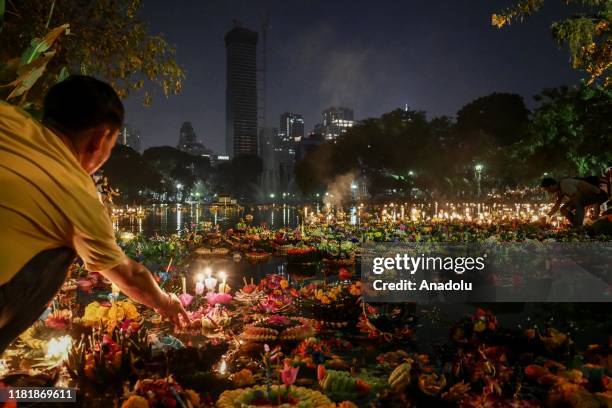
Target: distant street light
[(271, 195), (179, 186), (478, 169)]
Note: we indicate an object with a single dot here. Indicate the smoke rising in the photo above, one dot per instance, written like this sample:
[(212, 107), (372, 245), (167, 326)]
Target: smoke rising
[(339, 190)]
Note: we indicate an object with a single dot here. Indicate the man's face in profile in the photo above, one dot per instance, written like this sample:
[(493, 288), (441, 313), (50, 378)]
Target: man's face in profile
[(99, 148)]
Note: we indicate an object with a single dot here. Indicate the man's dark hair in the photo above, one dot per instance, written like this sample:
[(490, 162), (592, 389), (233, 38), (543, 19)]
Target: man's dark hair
[(81, 102), (548, 182)]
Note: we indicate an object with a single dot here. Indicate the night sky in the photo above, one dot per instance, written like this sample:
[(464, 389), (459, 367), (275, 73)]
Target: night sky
[(372, 56)]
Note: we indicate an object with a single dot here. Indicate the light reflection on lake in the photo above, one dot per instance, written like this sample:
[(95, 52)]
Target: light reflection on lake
[(168, 219)]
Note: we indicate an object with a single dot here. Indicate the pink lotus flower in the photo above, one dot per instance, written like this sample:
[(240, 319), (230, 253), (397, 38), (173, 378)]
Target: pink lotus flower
[(185, 299), (289, 373), (268, 306), (218, 298)]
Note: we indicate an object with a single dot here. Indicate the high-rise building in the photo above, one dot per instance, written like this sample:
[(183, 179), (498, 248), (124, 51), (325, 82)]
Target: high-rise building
[(188, 141), (130, 137), (290, 134), (335, 121), (267, 152), (241, 92), (187, 136), (292, 125)]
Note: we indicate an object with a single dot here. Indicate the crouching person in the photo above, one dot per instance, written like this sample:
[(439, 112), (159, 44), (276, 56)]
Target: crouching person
[(49, 206)]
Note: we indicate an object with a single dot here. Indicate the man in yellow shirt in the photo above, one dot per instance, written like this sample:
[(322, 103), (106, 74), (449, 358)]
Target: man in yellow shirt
[(49, 207)]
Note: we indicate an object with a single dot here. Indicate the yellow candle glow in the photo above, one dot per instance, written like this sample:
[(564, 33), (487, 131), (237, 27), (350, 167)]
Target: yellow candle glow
[(223, 284), (58, 348), (209, 282)]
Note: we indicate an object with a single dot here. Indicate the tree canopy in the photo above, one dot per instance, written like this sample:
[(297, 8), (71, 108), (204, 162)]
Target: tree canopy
[(567, 134), (104, 38), (571, 131), (239, 177), (588, 34), (128, 172)]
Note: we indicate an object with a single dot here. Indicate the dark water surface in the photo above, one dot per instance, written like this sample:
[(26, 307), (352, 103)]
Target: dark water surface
[(169, 219)]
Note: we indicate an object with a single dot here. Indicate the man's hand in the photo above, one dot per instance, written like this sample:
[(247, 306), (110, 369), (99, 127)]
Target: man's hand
[(173, 310), (138, 283)]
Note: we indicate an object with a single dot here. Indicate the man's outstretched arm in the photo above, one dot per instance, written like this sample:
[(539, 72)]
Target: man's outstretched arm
[(137, 282), (556, 206)]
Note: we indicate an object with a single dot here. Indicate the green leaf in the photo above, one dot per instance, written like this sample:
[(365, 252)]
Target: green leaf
[(29, 74), (64, 73), (2, 8), (39, 46)]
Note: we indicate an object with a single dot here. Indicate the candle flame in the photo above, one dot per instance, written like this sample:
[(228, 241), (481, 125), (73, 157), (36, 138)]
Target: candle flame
[(58, 348)]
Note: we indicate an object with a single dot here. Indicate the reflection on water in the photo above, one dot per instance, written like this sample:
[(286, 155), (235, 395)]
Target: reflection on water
[(168, 219), (164, 219)]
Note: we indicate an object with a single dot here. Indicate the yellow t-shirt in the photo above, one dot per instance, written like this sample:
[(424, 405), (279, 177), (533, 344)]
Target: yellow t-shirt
[(47, 200)]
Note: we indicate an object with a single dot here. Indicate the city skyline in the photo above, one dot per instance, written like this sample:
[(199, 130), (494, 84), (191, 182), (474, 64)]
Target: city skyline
[(329, 62)]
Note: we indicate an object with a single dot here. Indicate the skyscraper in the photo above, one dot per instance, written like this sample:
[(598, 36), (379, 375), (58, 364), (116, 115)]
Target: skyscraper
[(336, 121), (241, 92), (292, 125), (188, 141), (187, 135), (287, 139), (269, 175), (130, 137)]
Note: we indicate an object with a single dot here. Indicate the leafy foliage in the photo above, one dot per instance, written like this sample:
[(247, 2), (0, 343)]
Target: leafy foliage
[(106, 39), (2, 9), (571, 132), (588, 35), (23, 73), (177, 167), (128, 172)]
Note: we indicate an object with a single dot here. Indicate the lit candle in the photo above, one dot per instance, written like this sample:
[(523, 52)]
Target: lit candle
[(199, 288), (223, 283), (184, 282), (59, 348), (210, 282)]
